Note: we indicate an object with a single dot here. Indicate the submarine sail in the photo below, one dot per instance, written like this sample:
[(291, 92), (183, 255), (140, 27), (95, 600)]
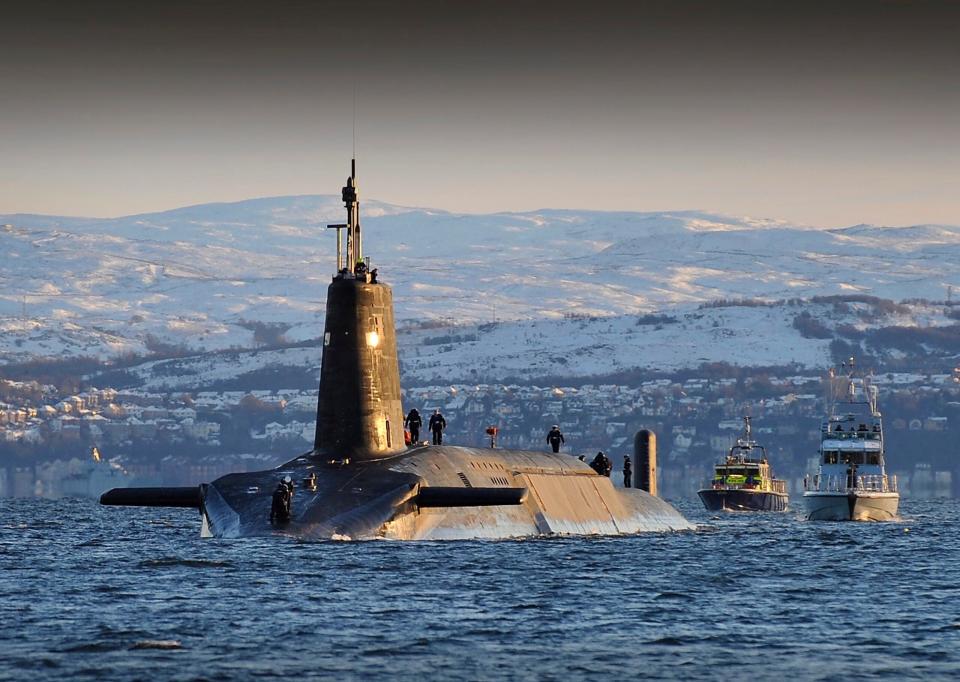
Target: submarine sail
[(361, 480), (359, 413)]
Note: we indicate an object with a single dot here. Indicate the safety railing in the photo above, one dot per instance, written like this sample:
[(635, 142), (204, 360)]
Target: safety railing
[(880, 483), (774, 486), (852, 435)]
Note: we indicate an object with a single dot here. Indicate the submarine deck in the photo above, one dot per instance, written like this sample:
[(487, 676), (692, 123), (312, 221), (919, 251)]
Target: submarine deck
[(379, 498)]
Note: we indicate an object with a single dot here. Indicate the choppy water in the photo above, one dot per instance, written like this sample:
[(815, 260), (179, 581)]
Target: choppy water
[(92, 592)]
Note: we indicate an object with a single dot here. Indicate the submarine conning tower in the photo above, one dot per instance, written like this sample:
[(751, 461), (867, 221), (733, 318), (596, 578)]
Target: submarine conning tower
[(359, 412)]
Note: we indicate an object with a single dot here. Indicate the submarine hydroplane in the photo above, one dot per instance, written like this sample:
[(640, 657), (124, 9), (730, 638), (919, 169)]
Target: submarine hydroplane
[(362, 481)]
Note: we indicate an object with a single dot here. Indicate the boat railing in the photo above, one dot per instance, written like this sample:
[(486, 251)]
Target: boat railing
[(774, 485), (851, 435), (880, 483)]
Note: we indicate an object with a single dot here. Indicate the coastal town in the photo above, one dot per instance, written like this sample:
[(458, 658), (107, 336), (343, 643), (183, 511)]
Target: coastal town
[(58, 445)]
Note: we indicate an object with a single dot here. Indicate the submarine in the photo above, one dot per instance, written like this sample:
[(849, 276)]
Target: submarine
[(362, 481)]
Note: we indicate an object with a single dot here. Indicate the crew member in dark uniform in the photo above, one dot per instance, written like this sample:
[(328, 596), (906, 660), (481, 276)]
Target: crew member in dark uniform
[(413, 422), (627, 472), (555, 438), (601, 464), (280, 507), (437, 425)]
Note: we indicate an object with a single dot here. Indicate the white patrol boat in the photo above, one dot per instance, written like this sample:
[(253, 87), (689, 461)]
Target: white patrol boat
[(852, 483)]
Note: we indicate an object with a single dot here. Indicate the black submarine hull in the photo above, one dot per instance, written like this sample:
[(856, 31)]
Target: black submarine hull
[(720, 499), (503, 494)]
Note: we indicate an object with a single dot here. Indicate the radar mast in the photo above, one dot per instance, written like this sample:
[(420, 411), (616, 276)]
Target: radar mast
[(350, 259)]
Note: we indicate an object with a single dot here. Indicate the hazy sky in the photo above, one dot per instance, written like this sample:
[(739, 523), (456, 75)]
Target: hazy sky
[(828, 113)]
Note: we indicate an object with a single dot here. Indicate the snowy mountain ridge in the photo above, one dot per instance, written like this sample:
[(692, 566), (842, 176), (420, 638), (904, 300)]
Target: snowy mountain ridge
[(215, 276)]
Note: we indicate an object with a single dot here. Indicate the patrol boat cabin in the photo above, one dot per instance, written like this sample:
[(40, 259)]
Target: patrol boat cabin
[(743, 480)]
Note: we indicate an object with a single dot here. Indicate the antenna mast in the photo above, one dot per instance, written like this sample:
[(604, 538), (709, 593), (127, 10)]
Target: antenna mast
[(347, 262), (831, 389), (354, 243)]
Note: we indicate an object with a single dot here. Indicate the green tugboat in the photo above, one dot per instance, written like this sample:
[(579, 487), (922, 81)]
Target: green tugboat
[(743, 481)]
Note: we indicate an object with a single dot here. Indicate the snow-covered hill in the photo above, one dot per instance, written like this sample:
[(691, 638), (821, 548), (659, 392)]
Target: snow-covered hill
[(575, 347), (210, 276)]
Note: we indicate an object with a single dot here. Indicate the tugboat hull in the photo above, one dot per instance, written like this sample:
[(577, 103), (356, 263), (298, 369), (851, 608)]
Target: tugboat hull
[(743, 500), (853, 506)]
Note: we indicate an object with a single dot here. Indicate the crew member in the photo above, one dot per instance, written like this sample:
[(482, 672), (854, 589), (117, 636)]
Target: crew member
[(555, 438), (280, 506), (413, 422), (437, 425), (601, 464), (627, 472)]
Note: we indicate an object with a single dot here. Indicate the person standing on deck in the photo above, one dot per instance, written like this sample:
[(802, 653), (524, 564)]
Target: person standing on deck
[(413, 422), (555, 438), (437, 425)]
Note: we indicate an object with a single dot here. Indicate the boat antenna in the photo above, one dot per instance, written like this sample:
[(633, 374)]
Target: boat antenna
[(828, 386)]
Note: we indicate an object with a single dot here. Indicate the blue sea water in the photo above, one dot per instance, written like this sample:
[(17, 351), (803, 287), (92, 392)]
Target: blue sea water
[(88, 592)]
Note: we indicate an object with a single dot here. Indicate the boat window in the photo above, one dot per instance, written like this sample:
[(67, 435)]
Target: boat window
[(873, 458), (830, 456)]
